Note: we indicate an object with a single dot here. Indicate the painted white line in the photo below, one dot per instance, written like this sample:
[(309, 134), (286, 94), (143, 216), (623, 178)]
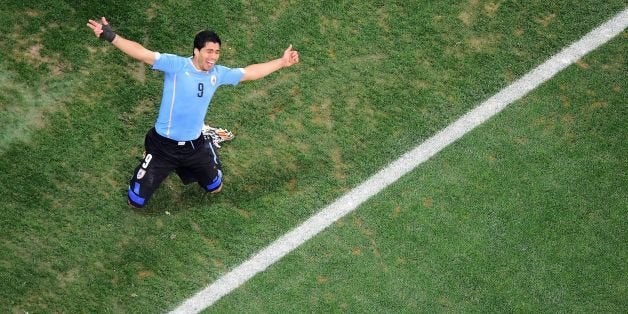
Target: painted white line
[(350, 201)]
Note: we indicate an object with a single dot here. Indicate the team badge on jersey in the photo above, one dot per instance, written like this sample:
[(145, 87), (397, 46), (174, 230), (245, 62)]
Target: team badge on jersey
[(213, 80)]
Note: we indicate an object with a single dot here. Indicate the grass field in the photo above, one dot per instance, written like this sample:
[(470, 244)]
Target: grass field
[(528, 213)]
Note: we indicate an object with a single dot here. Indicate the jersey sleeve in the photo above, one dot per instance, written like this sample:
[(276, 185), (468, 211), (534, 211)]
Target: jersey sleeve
[(229, 76), (166, 62)]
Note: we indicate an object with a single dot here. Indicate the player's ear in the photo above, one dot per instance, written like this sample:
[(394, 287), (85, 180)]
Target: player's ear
[(196, 51)]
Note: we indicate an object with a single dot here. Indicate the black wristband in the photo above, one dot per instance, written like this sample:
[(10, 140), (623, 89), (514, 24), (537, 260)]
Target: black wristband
[(107, 33)]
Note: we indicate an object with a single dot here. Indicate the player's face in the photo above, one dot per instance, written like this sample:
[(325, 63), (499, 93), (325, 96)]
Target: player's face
[(206, 57)]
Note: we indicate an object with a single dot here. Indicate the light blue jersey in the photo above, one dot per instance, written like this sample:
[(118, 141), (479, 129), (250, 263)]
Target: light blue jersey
[(187, 94)]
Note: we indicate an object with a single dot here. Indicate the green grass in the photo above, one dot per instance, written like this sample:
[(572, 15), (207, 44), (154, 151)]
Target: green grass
[(527, 213)]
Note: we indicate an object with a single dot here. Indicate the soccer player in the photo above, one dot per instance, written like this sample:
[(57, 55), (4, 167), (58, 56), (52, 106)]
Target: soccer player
[(175, 143)]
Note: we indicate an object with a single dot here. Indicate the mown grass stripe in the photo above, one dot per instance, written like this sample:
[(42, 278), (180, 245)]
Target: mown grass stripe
[(350, 201)]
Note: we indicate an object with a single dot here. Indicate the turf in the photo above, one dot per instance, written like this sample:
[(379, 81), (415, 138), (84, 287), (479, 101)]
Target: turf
[(487, 225), (525, 214)]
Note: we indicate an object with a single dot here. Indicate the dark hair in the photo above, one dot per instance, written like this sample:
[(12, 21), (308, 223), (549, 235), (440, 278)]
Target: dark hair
[(204, 37)]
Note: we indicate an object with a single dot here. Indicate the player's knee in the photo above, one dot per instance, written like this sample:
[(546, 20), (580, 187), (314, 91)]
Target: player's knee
[(217, 190), (212, 188), (134, 197), (216, 185)]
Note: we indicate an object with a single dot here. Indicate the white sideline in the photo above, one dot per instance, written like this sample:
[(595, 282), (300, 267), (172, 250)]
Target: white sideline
[(350, 201)]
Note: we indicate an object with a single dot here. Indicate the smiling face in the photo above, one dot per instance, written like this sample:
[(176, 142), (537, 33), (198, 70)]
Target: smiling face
[(205, 58)]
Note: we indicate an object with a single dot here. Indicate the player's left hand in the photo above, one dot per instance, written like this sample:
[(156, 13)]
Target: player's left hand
[(290, 57)]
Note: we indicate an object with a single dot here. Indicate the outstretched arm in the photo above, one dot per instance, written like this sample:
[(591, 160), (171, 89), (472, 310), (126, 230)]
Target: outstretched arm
[(259, 70), (129, 47)]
